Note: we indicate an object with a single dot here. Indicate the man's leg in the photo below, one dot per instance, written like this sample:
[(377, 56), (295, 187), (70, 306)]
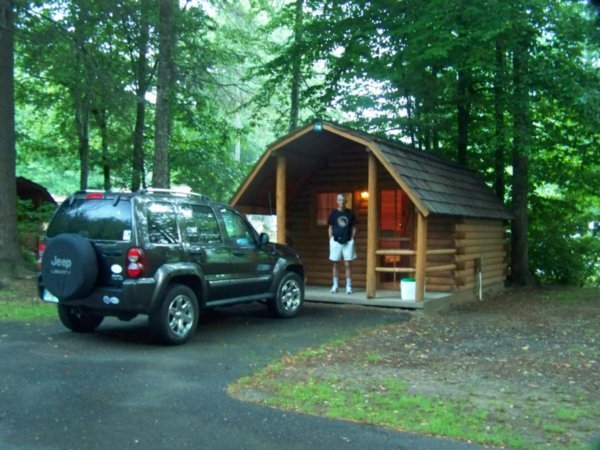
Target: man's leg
[(334, 288), (348, 266)]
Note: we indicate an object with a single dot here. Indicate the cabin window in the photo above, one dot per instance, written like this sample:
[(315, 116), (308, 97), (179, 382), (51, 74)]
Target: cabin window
[(326, 201)]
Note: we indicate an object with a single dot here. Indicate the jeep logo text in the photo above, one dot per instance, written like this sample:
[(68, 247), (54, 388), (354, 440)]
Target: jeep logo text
[(59, 262)]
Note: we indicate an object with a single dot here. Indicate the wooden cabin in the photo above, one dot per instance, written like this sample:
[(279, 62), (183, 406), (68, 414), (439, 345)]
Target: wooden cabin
[(418, 215)]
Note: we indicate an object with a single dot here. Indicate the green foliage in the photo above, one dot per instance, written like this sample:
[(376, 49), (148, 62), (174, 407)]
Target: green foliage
[(563, 250), (203, 158), (401, 69), (30, 227), (31, 219)]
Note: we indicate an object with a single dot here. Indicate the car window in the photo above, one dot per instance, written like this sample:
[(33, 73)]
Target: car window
[(162, 223), (98, 219), (238, 230), (200, 225)]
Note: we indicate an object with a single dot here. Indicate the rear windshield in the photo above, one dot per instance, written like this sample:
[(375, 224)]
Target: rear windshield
[(97, 219)]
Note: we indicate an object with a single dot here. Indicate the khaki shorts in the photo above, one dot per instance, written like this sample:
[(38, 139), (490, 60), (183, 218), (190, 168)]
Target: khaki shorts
[(337, 250)]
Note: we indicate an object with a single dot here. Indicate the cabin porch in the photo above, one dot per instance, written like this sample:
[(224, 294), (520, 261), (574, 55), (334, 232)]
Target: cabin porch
[(385, 298)]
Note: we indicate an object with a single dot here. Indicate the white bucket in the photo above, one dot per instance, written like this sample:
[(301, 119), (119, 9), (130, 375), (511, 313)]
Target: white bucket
[(408, 289)]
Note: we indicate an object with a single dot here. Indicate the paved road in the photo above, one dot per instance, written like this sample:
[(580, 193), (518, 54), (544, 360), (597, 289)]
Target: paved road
[(116, 389)]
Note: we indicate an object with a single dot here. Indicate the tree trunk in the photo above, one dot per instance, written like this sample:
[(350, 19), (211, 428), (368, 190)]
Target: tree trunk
[(10, 256), (409, 118), (137, 177), (499, 109), (82, 123), (296, 66), (81, 92), (100, 115), (463, 107), (166, 46), (520, 273)]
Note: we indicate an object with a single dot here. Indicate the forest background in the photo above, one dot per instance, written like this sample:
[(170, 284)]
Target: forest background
[(114, 94)]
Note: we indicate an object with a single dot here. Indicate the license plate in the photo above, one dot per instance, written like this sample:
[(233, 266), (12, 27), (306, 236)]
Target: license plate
[(48, 297)]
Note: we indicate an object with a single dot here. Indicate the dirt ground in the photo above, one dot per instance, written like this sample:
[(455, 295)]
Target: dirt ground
[(531, 358)]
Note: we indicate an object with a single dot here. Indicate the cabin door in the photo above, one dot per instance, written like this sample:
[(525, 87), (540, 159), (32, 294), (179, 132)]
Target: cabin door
[(395, 232)]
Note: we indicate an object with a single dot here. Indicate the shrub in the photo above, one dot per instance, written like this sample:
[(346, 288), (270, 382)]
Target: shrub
[(562, 248)]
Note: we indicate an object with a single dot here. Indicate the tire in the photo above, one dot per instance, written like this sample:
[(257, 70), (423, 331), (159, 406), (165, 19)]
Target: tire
[(69, 266), (176, 319), (78, 320), (288, 298)]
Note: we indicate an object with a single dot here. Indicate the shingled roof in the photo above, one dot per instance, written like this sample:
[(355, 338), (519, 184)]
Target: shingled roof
[(435, 186)]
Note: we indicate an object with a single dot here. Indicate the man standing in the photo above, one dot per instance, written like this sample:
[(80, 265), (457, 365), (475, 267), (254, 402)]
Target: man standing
[(342, 229)]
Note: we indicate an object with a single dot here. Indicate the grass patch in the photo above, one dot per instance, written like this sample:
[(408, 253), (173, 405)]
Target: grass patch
[(19, 302), (569, 414), (387, 403)]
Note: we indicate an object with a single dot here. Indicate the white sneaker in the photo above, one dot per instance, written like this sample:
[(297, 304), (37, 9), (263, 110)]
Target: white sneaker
[(334, 289), (348, 290)]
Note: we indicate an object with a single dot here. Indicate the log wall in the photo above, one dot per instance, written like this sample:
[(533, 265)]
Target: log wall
[(473, 239), (440, 236), (485, 239)]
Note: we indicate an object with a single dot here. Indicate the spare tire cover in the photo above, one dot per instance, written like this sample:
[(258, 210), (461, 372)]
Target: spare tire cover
[(69, 266)]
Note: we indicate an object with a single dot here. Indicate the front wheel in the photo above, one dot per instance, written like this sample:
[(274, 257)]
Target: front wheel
[(289, 296), (78, 320), (175, 321)]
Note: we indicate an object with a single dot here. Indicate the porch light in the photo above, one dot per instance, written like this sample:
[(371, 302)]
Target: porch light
[(364, 195), (318, 126)]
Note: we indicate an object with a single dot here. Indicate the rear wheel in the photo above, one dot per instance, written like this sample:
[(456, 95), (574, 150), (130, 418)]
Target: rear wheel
[(175, 321), (289, 297), (79, 320)]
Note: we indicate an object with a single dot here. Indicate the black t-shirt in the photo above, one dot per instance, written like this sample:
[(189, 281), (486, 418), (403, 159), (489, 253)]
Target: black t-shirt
[(342, 222)]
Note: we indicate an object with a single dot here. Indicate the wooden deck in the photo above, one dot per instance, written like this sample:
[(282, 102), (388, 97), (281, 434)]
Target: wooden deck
[(389, 299)]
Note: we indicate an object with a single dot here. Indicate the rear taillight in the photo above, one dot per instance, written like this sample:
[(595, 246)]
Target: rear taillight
[(135, 262), (41, 249), (94, 196)]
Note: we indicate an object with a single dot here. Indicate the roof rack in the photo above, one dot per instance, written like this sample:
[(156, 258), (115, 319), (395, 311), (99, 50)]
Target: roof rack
[(151, 190)]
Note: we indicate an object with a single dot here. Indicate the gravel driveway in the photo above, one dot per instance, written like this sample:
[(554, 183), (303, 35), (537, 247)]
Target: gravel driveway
[(116, 389)]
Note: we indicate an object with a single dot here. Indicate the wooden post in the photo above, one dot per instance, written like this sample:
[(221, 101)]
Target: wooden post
[(280, 199), (421, 256), (372, 228)]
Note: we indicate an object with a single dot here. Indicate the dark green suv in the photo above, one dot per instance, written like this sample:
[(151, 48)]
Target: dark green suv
[(162, 253)]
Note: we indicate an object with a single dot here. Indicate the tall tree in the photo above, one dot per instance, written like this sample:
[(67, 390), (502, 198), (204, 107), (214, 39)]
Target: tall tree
[(80, 87), (520, 162), (165, 91), (10, 259), (142, 82), (296, 65), (500, 107), (139, 44)]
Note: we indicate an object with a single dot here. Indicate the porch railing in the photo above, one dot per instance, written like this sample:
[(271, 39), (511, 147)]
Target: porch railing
[(407, 252)]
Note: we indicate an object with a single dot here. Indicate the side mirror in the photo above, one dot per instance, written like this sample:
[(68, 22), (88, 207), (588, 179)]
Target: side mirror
[(263, 239)]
